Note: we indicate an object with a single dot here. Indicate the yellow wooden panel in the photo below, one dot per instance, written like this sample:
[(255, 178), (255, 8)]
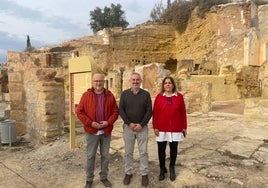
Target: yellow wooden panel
[(82, 64), (82, 82), (81, 70)]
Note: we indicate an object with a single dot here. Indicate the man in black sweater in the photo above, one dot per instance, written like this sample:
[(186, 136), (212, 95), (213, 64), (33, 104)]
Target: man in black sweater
[(135, 108)]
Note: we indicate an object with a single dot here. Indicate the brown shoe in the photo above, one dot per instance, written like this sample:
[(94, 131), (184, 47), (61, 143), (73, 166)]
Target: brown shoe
[(127, 179), (144, 181)]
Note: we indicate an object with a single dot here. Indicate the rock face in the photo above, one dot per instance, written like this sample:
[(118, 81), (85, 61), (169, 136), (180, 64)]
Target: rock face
[(229, 42), (220, 57)]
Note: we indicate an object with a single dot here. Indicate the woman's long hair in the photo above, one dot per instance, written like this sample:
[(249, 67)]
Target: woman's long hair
[(173, 83)]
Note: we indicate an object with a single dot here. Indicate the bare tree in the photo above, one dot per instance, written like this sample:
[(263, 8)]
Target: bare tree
[(158, 12)]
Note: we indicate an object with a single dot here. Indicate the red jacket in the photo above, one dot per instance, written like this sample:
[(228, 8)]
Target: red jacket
[(169, 117), (86, 110)]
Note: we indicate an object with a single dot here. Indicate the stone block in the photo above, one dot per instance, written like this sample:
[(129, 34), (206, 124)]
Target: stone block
[(48, 134), (47, 95), (262, 155), (242, 147), (49, 118), (252, 112), (17, 105), (16, 86), (14, 77), (40, 110), (48, 86), (16, 96), (251, 103), (20, 128), (264, 103), (1, 98), (18, 115), (51, 107), (6, 97)]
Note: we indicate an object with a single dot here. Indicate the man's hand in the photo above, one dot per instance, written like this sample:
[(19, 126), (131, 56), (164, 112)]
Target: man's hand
[(135, 127), (99, 125), (138, 127), (103, 124), (132, 126)]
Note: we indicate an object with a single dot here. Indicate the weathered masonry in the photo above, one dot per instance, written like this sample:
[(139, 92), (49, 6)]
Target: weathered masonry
[(220, 57)]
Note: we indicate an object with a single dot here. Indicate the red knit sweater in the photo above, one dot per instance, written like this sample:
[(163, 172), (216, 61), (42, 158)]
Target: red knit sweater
[(169, 116)]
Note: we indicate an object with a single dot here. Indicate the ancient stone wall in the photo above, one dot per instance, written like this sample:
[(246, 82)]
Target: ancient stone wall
[(217, 39), (229, 46), (256, 107), (197, 95), (233, 23), (224, 38), (122, 50), (3, 79), (114, 83), (144, 44), (263, 56), (45, 104), (36, 96), (262, 21), (198, 42), (223, 55)]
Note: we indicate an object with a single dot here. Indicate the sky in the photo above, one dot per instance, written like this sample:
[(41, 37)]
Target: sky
[(51, 22)]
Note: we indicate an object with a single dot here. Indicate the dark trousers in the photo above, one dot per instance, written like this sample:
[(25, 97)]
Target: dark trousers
[(162, 153)]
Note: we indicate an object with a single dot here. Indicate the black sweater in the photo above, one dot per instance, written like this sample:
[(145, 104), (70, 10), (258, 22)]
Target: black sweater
[(135, 108)]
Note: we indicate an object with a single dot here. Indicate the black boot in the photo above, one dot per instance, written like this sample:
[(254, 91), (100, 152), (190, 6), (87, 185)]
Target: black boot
[(172, 174), (162, 173)]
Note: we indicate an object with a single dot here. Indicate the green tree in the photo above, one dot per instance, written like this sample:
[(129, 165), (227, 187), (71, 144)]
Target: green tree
[(108, 17)]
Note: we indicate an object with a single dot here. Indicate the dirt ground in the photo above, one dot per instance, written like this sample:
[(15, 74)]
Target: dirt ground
[(55, 165), (220, 151)]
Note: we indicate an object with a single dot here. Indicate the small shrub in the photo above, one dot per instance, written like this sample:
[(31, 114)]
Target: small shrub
[(178, 14), (260, 2), (205, 5)]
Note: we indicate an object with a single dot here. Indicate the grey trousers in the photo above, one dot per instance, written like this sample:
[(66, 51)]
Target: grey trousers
[(93, 141), (142, 140)]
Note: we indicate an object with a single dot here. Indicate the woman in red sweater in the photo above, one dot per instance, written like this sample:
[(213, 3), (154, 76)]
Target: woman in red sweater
[(169, 123)]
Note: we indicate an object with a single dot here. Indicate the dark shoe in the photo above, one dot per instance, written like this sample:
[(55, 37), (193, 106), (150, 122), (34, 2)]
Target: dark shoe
[(106, 183), (88, 184), (162, 174), (172, 174), (127, 179), (144, 181)]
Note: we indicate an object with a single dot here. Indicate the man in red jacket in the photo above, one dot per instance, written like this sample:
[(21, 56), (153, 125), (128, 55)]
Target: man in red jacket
[(98, 111)]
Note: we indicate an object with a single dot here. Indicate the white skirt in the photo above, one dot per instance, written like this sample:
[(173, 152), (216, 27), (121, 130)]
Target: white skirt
[(170, 137)]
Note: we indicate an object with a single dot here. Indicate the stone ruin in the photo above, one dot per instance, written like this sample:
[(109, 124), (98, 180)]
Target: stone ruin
[(220, 57)]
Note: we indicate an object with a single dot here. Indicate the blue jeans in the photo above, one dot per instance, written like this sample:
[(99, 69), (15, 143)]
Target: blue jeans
[(142, 140), (93, 141)]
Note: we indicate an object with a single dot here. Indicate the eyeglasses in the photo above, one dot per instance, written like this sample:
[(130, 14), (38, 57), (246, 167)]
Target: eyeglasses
[(100, 81), (169, 100)]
